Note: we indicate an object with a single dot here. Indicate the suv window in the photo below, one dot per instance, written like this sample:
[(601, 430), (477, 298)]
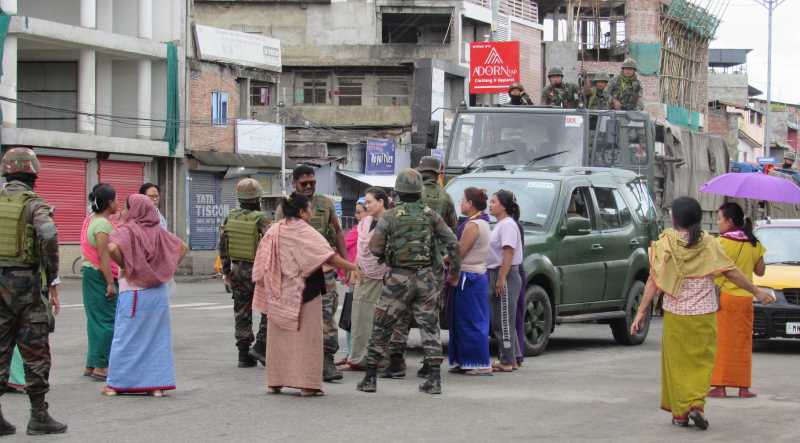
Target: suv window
[(614, 213), (580, 203), (645, 208)]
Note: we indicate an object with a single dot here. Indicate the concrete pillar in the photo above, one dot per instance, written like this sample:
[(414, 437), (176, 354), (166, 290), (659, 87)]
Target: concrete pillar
[(8, 83), (556, 20), (89, 13), (144, 97), (105, 93), (146, 19), (105, 15), (9, 6), (86, 90), (613, 31)]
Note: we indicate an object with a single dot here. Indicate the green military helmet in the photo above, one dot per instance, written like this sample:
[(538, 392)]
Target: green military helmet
[(20, 161), (789, 155), (248, 189), (555, 71), (516, 85), (629, 63), (429, 164), (409, 181), (601, 77)]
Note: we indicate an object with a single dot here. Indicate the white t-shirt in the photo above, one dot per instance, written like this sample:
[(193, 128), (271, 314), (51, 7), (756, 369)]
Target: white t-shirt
[(505, 233)]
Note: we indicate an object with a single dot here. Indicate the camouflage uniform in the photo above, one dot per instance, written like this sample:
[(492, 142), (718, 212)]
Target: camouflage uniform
[(240, 278), (564, 95), (403, 239), (23, 312), (626, 90)]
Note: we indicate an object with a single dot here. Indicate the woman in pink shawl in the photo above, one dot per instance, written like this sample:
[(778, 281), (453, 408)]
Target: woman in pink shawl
[(289, 281), (141, 351)]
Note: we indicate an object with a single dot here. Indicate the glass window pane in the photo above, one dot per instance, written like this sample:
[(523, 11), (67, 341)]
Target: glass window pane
[(609, 213)]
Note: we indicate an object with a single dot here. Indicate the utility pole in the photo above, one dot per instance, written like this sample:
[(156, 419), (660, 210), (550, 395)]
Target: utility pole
[(770, 5), (495, 17)]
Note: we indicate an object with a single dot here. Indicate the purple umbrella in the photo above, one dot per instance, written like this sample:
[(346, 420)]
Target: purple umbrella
[(754, 185)]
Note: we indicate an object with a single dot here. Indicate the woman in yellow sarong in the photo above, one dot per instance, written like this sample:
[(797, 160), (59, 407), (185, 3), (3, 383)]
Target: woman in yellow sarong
[(683, 264), (734, 360)]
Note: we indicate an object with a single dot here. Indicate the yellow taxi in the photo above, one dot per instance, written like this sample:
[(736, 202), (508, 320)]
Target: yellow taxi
[(781, 319)]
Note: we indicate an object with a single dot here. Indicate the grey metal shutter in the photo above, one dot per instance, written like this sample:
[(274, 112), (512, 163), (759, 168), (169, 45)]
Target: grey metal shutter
[(205, 192)]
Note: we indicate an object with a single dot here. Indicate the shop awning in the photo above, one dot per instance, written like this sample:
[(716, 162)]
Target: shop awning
[(381, 181), (209, 158)]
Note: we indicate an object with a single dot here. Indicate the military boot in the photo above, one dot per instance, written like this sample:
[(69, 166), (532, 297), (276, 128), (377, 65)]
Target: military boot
[(370, 381), (425, 370), (433, 385), (245, 360), (259, 352), (6, 428), (329, 371), (41, 422), (396, 368)]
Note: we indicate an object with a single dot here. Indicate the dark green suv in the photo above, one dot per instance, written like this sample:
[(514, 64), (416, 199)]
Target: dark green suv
[(586, 236)]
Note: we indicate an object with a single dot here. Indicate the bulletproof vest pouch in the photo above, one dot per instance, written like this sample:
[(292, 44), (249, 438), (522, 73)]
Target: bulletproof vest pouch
[(410, 243), (17, 236), (243, 235)]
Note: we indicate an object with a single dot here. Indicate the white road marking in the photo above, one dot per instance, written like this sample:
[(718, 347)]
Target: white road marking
[(192, 305), (78, 305), (213, 308)]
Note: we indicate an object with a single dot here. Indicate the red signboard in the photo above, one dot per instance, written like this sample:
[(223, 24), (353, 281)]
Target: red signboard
[(493, 66)]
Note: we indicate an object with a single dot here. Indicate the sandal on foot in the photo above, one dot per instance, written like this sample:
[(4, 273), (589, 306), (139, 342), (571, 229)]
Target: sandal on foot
[(499, 367), (99, 376), (479, 372), (717, 392), (108, 392), (311, 393), (700, 421), (274, 390), (156, 393), (746, 393), (88, 372)]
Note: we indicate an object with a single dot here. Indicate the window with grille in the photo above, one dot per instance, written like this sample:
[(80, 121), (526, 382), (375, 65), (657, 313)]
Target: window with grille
[(219, 108), (260, 94), (393, 91), (350, 91), (313, 88)]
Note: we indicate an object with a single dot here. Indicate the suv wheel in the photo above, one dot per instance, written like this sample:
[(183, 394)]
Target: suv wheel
[(621, 327), (538, 320)]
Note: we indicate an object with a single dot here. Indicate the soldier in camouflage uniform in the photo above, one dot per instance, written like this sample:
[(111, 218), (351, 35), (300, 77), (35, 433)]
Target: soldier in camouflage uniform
[(239, 238), (596, 94), (435, 198), (558, 92), (28, 248), (404, 239), (518, 96), (625, 90), (325, 221)]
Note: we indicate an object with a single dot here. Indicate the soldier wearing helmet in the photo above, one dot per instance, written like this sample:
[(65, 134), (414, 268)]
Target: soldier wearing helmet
[(404, 240), (559, 93), (435, 198), (517, 94), (596, 94), (625, 90), (28, 251), (239, 237), (789, 157)]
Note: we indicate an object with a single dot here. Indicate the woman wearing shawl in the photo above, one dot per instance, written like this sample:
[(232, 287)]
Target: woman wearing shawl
[(99, 280), (289, 281), (141, 352), (683, 264), (469, 313), (370, 285), (734, 360)]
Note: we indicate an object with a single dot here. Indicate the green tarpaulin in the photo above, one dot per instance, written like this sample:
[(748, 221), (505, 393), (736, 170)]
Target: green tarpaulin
[(647, 56), (679, 115), (172, 131)]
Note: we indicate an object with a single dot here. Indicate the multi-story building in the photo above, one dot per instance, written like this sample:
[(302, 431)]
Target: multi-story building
[(86, 84)]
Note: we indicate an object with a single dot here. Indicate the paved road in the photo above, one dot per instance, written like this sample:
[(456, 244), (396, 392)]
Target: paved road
[(584, 388)]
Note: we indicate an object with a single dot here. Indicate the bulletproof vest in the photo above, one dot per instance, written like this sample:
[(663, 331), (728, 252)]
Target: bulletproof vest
[(434, 197), (243, 234), (409, 244), (320, 220), (17, 235)]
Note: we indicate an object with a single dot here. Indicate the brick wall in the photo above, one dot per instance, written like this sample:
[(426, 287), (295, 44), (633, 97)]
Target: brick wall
[(642, 22), (530, 51), (205, 79)]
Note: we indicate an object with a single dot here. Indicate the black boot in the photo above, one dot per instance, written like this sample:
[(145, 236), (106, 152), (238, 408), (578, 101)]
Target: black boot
[(6, 428), (329, 371), (259, 352), (425, 370), (245, 360), (41, 422), (370, 381), (396, 368), (433, 385)]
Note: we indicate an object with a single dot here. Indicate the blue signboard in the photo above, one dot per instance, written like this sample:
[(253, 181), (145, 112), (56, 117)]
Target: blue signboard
[(766, 161), (380, 157)]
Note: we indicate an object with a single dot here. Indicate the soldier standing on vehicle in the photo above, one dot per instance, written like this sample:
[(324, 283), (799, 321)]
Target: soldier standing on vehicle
[(596, 94), (625, 89), (518, 96), (404, 239), (435, 198), (28, 248), (787, 167), (238, 242), (325, 221), (559, 92)]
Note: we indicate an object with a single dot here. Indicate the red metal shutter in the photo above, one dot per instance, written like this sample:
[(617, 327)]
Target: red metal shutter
[(62, 184), (125, 177)]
